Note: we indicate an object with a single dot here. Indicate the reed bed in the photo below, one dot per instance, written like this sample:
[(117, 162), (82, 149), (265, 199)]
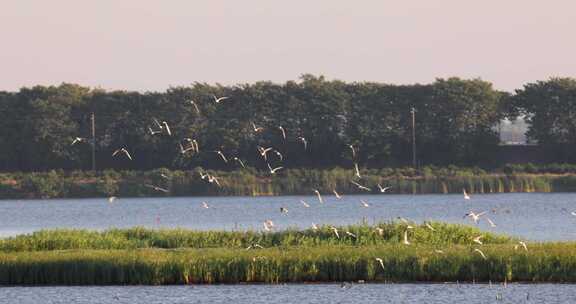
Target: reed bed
[(286, 182), (414, 263), (138, 237)]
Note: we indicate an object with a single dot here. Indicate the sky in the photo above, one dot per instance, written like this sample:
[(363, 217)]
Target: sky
[(151, 45)]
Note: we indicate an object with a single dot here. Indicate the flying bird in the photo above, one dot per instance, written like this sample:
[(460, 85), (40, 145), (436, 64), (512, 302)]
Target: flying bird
[(477, 239), (283, 132), (219, 99), (351, 234), (523, 245), (383, 189), (481, 253), (338, 196), (357, 170), (315, 227), (430, 226), (156, 188), (466, 196), (273, 171), (491, 222), (279, 154), (221, 155), (254, 246), (303, 140), (240, 162), (379, 230), (256, 129), (319, 196), (124, 151), (360, 186), (335, 231), (474, 216), (406, 242), (304, 203), (77, 140), (379, 260), (268, 225), (111, 199), (263, 152), (213, 179), (353, 151), (195, 106), (364, 204), (166, 128)]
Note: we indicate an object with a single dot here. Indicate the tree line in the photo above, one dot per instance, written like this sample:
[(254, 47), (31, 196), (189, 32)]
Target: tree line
[(455, 118)]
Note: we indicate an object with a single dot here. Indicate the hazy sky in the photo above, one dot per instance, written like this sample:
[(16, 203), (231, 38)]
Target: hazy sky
[(152, 45)]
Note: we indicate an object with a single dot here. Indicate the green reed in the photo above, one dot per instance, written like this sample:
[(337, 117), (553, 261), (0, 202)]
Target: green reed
[(365, 235), (414, 263)]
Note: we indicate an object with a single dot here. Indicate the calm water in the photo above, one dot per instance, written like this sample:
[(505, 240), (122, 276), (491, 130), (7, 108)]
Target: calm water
[(531, 216), (300, 293)]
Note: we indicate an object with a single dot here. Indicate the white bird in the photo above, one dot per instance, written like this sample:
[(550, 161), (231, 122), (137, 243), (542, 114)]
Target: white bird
[(213, 179), (335, 231), (77, 140), (253, 246), (474, 216), (152, 132), (166, 128), (364, 203), (357, 170), (196, 147), (351, 234), (491, 222), (305, 204), (353, 151), (573, 213), (315, 227), (477, 239), (240, 161), (379, 260), (219, 99), (383, 189), (268, 225), (273, 171), (283, 132), (111, 199), (405, 221), (466, 196), (157, 188), (195, 106), (303, 140), (184, 150), (379, 230), (338, 196), (430, 226), (279, 154), (360, 186), (406, 242), (203, 175), (124, 151), (205, 205), (481, 253), (319, 196), (256, 129), (523, 245), (221, 155), (263, 152), (283, 210)]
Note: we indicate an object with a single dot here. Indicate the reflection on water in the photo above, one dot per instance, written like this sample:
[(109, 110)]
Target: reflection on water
[(295, 293), (534, 216)]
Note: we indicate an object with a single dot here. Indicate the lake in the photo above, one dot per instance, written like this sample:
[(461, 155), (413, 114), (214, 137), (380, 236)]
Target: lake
[(295, 293), (532, 216)]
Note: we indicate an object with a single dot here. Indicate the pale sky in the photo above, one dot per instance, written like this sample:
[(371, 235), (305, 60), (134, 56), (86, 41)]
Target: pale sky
[(151, 45)]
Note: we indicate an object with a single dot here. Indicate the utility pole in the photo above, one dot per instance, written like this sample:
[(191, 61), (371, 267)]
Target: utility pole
[(93, 122), (413, 112)]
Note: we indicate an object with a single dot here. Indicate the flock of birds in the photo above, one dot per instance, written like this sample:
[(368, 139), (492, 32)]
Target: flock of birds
[(190, 145)]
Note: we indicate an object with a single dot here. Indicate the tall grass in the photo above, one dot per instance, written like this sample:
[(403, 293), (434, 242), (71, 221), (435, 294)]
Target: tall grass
[(543, 263), (444, 234), (290, 181)]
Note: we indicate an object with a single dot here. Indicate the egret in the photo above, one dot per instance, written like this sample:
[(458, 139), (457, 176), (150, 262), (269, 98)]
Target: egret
[(379, 260), (383, 189), (219, 99), (221, 155), (474, 216), (364, 204), (481, 253), (319, 196), (466, 196), (360, 186), (283, 132), (273, 171), (477, 239), (338, 196)]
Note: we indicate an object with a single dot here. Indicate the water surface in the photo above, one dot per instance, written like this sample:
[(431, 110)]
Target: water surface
[(295, 293), (533, 216)]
